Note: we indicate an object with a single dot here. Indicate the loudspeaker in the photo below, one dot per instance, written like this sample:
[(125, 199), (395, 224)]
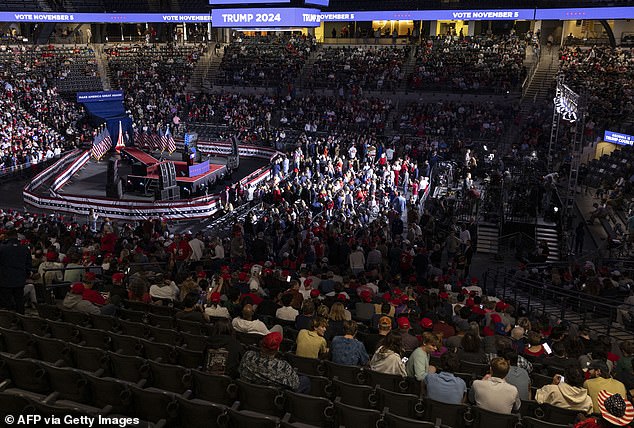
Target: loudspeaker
[(113, 171), (115, 190), (167, 175), (169, 194)]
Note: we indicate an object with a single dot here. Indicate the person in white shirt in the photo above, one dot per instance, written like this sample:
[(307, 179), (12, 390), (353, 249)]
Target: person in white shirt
[(357, 261), (197, 247), (246, 323), (287, 312), (493, 393), (214, 309)]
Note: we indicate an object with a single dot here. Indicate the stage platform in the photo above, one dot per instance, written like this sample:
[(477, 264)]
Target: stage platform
[(91, 179)]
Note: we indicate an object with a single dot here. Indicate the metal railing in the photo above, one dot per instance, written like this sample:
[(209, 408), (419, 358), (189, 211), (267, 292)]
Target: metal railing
[(539, 295)]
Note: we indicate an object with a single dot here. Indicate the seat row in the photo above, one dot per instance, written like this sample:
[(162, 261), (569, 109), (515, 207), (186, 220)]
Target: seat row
[(54, 390)]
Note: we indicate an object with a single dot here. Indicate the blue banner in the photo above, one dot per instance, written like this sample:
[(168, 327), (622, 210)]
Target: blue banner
[(586, 13), (85, 97), (618, 138), (102, 17), (244, 2), (265, 17)]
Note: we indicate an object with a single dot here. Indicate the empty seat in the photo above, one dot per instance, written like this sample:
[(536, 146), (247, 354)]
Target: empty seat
[(194, 342), (159, 352), (26, 377), (104, 322), (309, 366), (52, 351), (33, 325), (190, 359), (127, 345), (351, 394), (132, 328), (164, 335), (17, 342), (349, 374), (8, 319), (486, 419), (162, 321), (453, 415), (64, 331), (191, 327), (198, 413), (392, 382), (110, 392), (75, 318), (95, 338), (153, 406), (130, 315), (390, 420), (129, 368), (214, 388), (68, 384), (406, 405), (351, 416), (259, 398), (528, 422), (169, 377), (235, 418), (308, 409), (93, 360)]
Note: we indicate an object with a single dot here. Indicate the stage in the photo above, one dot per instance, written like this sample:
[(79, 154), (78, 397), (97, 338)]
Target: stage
[(91, 179), (191, 179)]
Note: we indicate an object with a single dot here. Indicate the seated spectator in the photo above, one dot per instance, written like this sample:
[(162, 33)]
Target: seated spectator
[(364, 308), (336, 318), (471, 350), (164, 290), (418, 363), (191, 311), (246, 323), (616, 411), (493, 393), (568, 394), (75, 302), (387, 358), (624, 364), (286, 312), (517, 376), (311, 343), (348, 350), (305, 319), (535, 348), (600, 380), (410, 342), (445, 386), (264, 368), (117, 289), (559, 357), (372, 341), (223, 350), (214, 309)]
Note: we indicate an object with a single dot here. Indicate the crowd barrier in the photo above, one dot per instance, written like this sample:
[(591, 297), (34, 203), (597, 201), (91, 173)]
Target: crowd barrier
[(196, 208), (75, 166)]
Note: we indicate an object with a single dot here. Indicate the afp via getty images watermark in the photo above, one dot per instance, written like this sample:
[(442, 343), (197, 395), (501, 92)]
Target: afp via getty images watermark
[(69, 420)]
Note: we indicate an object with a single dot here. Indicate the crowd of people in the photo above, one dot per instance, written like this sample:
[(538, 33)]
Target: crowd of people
[(367, 68), (152, 79), (265, 60), (470, 64), (38, 123), (603, 76)]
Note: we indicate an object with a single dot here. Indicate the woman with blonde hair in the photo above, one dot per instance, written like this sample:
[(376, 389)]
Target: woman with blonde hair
[(336, 318)]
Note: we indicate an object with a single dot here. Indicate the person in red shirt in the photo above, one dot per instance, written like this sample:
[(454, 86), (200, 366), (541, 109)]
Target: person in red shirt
[(179, 250), (535, 348), (89, 294), (108, 239)]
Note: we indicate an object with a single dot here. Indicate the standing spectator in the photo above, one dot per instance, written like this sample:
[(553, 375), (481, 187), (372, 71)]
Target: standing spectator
[(493, 393), (15, 267), (348, 350)]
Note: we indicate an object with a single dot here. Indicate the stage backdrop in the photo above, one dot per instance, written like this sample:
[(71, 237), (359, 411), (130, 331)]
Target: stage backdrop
[(108, 106)]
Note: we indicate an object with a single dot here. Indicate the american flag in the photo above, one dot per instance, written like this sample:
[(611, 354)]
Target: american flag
[(170, 144), (156, 142), (101, 144)]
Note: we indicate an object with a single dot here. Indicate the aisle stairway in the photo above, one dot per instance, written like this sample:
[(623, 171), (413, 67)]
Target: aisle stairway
[(199, 74), (549, 234), (541, 85), (102, 67), (488, 234)]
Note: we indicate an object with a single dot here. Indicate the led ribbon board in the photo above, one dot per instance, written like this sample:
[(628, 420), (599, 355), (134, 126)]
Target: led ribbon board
[(618, 138), (265, 17)]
